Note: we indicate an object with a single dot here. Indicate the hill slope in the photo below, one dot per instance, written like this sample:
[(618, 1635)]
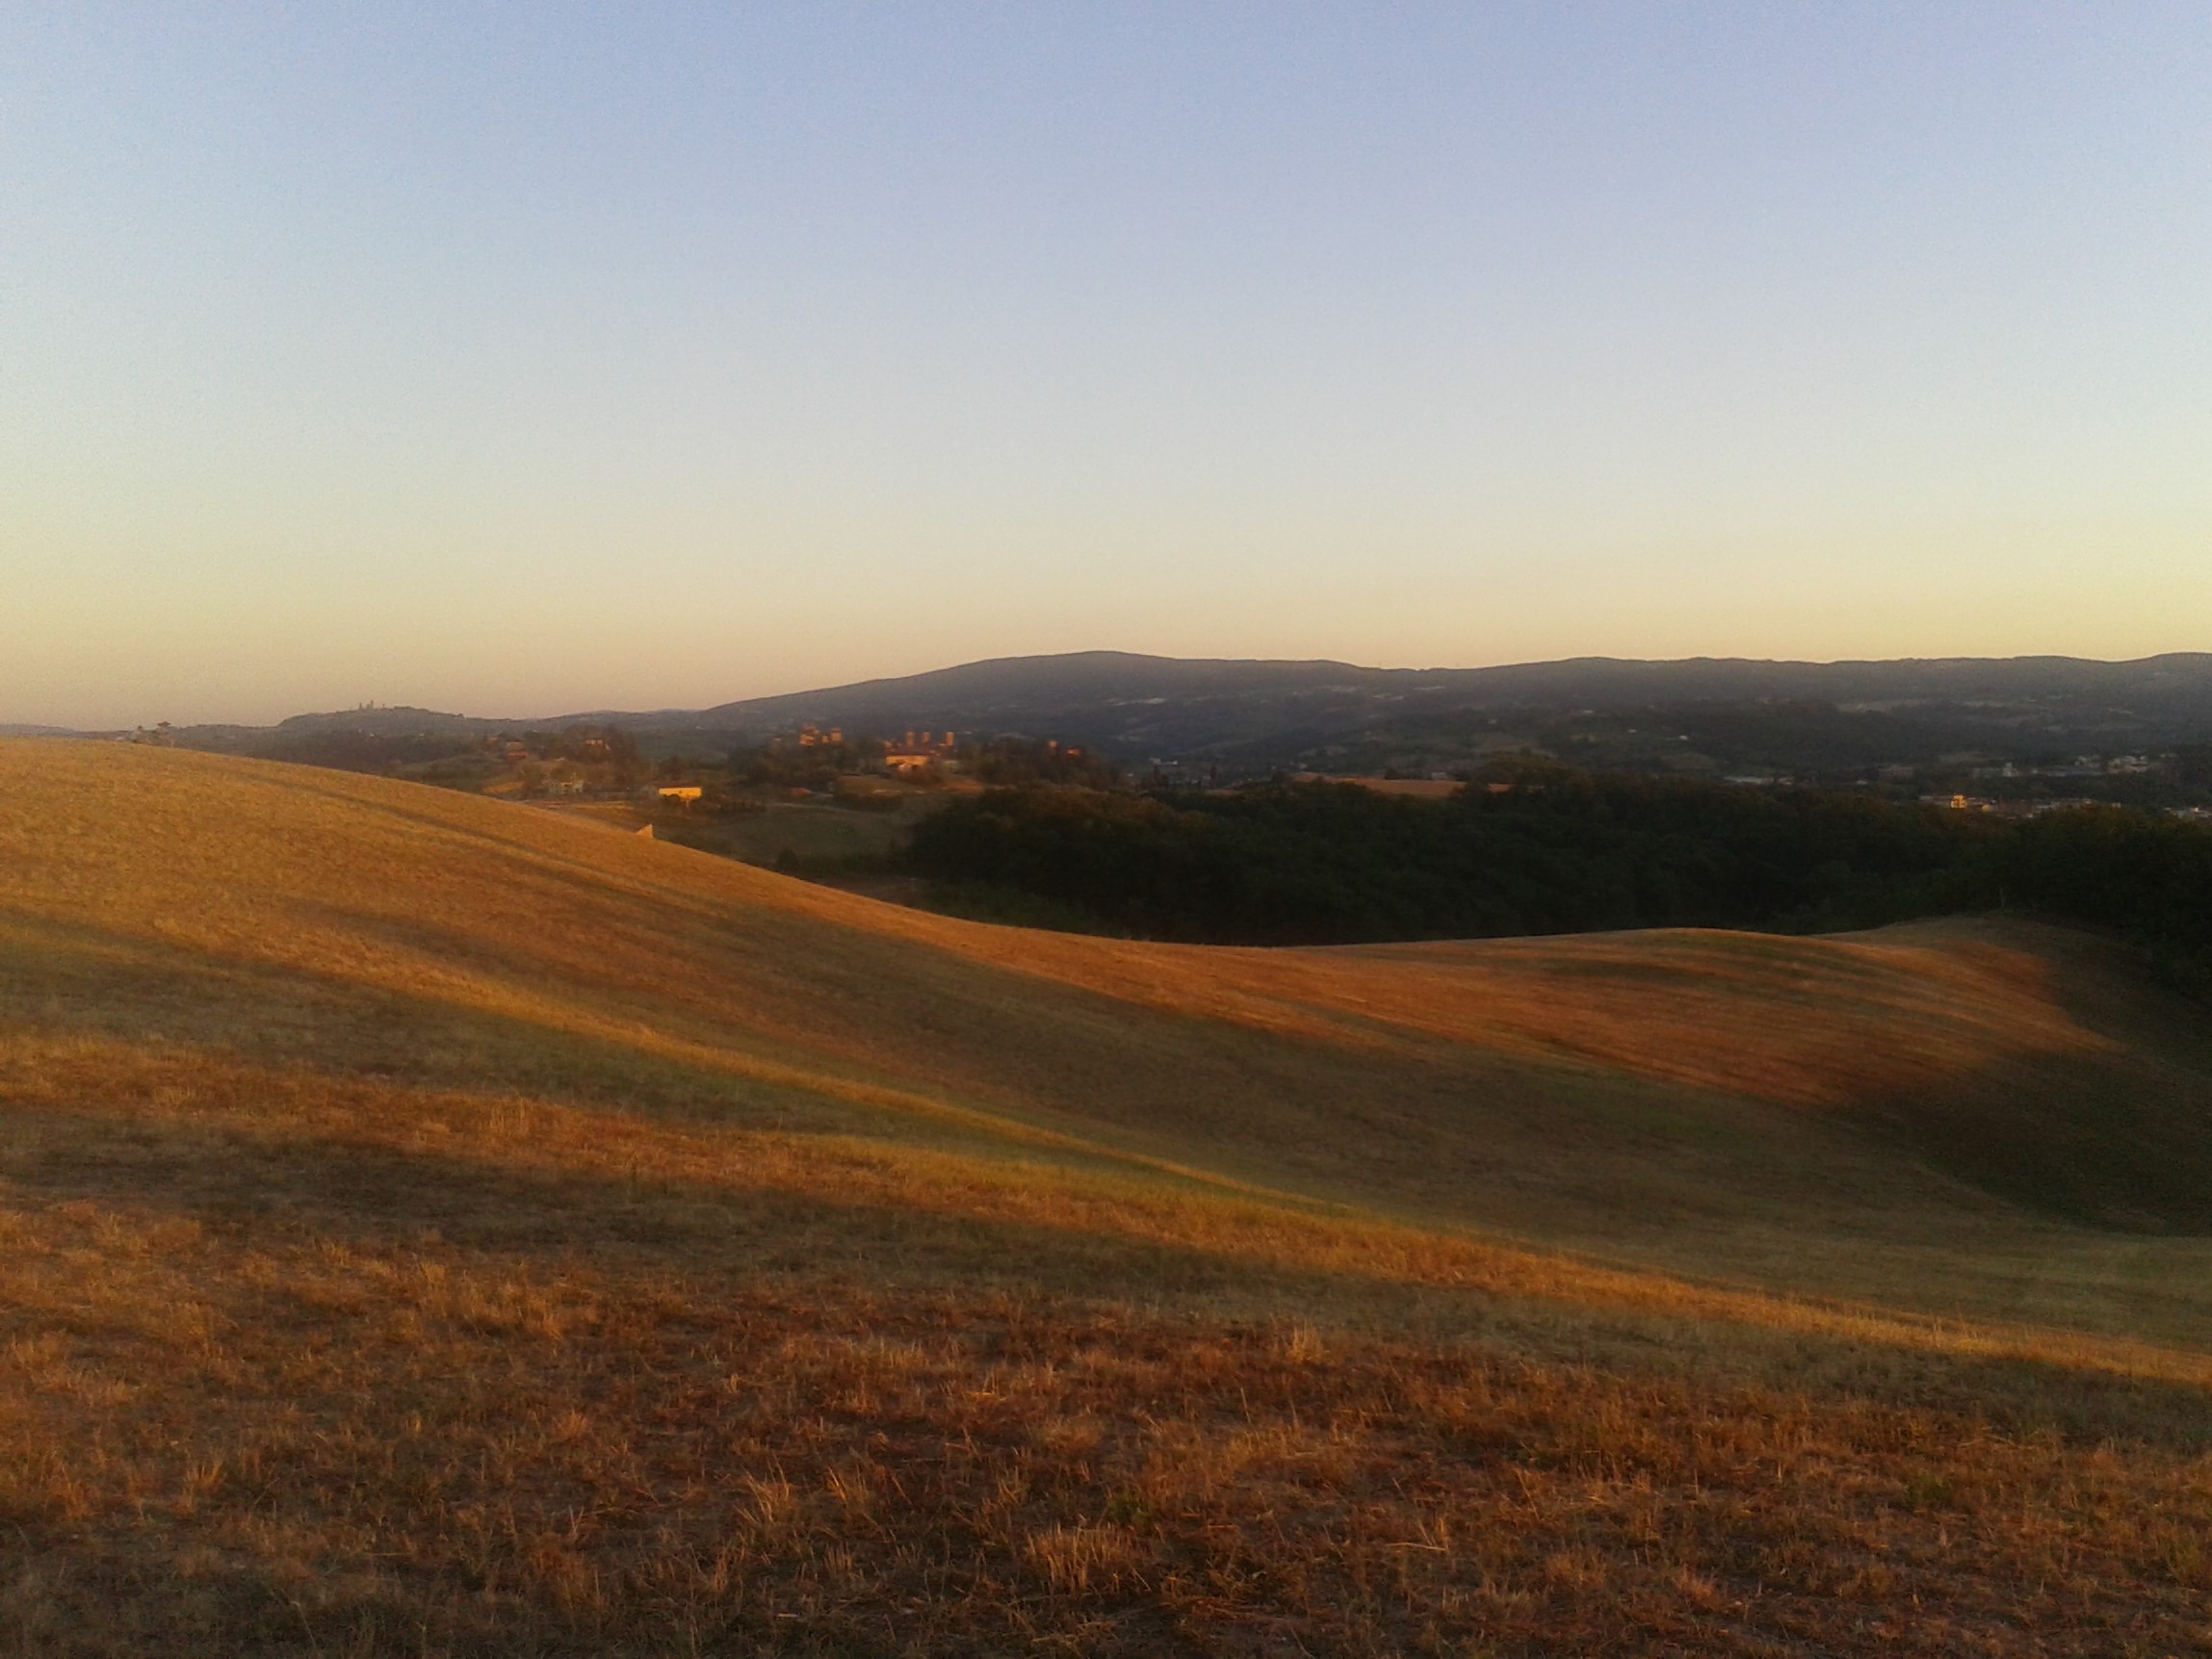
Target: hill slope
[(1254, 714), (441, 1225), (1258, 712), (2176, 685)]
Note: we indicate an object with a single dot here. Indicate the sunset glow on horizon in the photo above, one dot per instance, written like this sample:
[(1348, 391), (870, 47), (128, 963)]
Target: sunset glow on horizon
[(526, 361)]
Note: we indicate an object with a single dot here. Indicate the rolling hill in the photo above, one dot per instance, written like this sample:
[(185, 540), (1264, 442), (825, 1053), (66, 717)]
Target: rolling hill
[(1803, 717), (1247, 714), (435, 1225), (1135, 688), (1254, 716)]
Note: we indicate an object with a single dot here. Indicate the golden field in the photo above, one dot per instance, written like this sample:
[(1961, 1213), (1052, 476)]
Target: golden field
[(438, 1226)]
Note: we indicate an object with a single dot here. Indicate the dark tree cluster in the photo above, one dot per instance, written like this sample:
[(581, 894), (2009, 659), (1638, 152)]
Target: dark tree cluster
[(1542, 848), (1013, 762), (786, 763), (365, 751), (2146, 874), (590, 745)]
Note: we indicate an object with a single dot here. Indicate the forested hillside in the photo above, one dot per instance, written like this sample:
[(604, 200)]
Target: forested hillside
[(1540, 849)]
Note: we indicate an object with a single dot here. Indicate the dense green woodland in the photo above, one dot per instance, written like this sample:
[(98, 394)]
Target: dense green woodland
[(1555, 850)]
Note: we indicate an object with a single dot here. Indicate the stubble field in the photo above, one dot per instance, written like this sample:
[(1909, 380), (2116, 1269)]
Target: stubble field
[(435, 1226)]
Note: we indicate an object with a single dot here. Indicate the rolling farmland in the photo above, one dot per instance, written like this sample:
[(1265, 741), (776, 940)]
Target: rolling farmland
[(437, 1226)]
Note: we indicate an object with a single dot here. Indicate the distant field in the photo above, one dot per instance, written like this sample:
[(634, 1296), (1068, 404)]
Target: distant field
[(437, 1225), (811, 833), (815, 833)]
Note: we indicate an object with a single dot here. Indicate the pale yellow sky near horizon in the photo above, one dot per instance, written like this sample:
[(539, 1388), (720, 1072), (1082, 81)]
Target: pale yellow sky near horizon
[(518, 363), (168, 652)]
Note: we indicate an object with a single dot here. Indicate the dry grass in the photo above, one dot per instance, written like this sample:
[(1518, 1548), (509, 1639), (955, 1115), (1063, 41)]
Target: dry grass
[(429, 1227)]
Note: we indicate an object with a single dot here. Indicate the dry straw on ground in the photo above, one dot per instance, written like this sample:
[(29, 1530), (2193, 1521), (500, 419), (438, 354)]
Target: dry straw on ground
[(427, 1226)]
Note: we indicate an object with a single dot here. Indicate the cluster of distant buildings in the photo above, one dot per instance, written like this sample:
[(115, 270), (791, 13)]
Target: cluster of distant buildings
[(915, 752), (2004, 809), (919, 754), (2035, 809), (2081, 766)]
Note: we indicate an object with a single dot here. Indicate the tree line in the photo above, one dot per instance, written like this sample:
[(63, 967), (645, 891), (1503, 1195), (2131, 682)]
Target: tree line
[(1537, 847)]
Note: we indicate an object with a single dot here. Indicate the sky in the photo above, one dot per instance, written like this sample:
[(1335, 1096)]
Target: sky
[(526, 359)]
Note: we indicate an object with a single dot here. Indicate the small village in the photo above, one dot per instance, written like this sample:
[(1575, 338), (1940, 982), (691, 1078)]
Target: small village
[(811, 763)]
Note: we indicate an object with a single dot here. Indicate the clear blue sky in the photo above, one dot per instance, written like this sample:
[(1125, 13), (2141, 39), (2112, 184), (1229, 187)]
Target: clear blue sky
[(525, 359)]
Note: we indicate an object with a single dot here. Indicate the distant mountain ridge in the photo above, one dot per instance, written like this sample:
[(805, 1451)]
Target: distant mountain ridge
[(1094, 677), (1245, 714), (1259, 713)]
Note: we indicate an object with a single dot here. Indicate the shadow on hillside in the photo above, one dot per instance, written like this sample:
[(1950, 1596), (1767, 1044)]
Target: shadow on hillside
[(1433, 1132), (2123, 1145), (258, 1194), (2118, 1141), (1714, 1191), (78, 981)]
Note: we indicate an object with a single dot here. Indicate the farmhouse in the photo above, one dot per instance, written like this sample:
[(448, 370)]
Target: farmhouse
[(915, 753)]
